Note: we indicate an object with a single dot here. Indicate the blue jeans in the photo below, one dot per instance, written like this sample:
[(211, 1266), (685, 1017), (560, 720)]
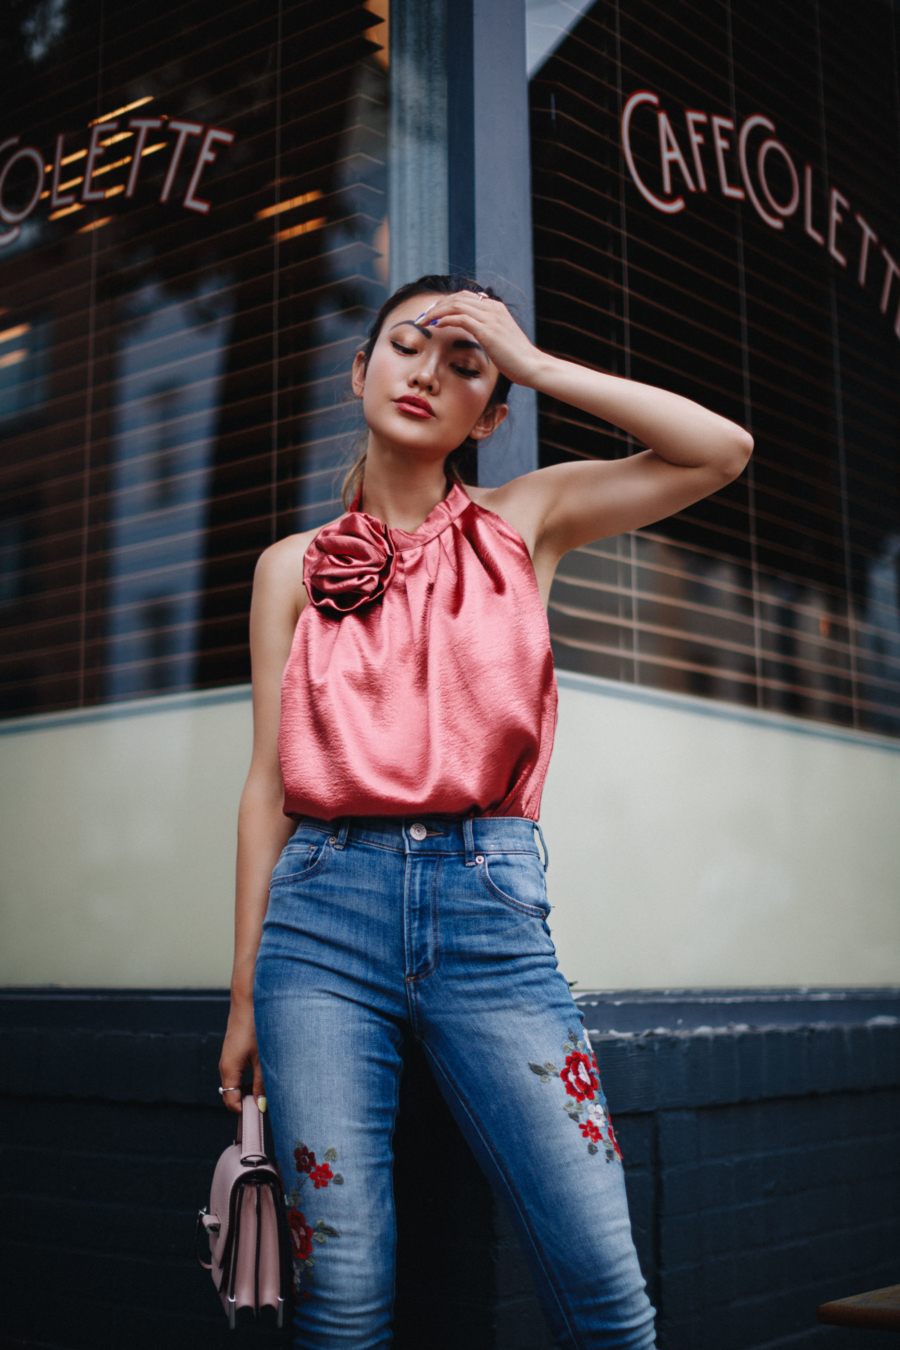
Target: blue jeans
[(380, 929)]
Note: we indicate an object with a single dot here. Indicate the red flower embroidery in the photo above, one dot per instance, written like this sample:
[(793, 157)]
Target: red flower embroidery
[(589, 1131), (349, 563), (320, 1176), (301, 1234), (614, 1141), (579, 1077), (304, 1158)]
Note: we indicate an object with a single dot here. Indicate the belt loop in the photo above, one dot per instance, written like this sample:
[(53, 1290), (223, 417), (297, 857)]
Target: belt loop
[(543, 845), (469, 841), (343, 832)]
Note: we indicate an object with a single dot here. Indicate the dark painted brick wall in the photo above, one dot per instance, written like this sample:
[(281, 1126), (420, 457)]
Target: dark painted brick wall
[(763, 1168)]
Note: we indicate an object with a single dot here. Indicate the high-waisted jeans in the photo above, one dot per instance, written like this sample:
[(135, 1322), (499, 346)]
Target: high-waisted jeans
[(434, 928)]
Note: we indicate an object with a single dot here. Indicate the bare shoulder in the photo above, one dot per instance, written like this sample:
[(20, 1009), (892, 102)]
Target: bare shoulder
[(278, 577), (522, 502)]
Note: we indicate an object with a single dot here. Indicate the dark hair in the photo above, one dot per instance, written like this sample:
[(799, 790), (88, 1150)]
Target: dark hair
[(458, 464)]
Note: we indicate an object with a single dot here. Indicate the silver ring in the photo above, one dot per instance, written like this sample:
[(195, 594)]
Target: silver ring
[(222, 1091), (483, 295)]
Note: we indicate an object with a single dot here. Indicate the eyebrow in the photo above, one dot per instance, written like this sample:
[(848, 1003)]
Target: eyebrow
[(459, 342)]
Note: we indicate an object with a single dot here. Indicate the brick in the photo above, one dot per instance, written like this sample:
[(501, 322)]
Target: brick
[(750, 1063), (679, 1189), (677, 1136), (641, 1193), (680, 1294), (637, 1138), (628, 1071), (680, 1239), (861, 1059), (885, 1041), (671, 1072), (828, 1060), (724, 1070)]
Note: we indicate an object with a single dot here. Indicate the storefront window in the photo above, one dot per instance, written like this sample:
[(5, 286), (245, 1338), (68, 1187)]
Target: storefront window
[(715, 199), (193, 239)]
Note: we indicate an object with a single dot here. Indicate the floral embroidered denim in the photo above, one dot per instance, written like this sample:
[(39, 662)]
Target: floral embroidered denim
[(379, 933), (581, 1078), (302, 1234)]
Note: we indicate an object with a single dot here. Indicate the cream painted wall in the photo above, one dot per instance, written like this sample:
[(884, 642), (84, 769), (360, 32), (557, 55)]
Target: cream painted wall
[(117, 835), (691, 844)]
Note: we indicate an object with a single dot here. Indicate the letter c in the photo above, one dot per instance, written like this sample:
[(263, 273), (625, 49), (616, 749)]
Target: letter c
[(644, 96), (15, 218), (757, 120)]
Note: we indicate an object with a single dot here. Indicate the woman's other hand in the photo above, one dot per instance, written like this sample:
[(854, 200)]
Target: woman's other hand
[(491, 325), (239, 1053)]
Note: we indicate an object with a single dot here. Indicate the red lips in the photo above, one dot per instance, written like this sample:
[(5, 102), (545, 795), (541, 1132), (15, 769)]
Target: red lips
[(419, 407)]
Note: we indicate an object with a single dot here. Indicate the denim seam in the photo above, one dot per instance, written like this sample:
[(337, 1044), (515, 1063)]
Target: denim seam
[(513, 1194), (423, 974), (531, 911)]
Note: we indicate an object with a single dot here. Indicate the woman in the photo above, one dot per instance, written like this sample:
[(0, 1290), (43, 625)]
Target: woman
[(404, 705)]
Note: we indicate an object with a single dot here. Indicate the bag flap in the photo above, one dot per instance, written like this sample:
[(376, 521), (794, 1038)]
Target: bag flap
[(230, 1173)]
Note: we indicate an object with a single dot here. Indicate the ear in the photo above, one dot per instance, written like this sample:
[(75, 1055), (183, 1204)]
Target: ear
[(489, 421), (358, 374)]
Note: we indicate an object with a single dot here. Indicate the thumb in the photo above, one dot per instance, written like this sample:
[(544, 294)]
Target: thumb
[(259, 1087)]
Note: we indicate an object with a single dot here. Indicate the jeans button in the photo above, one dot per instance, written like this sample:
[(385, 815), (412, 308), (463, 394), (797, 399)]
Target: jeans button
[(418, 831)]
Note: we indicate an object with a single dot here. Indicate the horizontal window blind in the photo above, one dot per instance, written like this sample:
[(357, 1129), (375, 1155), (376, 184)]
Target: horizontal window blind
[(783, 590), (179, 308)]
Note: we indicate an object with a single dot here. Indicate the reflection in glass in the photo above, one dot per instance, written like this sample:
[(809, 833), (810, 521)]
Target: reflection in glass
[(168, 384), (182, 411), (781, 590)]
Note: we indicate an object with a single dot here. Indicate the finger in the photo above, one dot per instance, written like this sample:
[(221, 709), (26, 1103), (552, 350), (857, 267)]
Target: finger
[(230, 1077), (232, 1099), (469, 299), (259, 1087)]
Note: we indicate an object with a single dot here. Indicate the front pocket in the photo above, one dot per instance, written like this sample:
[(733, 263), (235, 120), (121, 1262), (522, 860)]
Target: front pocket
[(301, 860), (517, 879)]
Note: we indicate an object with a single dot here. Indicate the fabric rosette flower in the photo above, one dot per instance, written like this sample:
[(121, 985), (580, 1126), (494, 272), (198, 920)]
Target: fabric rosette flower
[(349, 564)]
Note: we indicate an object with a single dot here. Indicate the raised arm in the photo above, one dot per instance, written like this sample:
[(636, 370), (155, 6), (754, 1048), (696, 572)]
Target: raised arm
[(693, 451), (263, 830)]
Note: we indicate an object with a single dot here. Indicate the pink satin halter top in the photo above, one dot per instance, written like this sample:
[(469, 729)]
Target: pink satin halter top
[(420, 678)]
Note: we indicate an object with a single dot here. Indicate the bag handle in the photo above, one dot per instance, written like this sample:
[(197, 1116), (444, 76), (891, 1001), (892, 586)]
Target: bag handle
[(250, 1132)]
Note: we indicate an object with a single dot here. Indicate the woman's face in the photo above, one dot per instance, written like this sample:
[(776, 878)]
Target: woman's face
[(426, 389)]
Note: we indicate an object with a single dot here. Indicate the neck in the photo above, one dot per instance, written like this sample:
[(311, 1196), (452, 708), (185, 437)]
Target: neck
[(399, 490)]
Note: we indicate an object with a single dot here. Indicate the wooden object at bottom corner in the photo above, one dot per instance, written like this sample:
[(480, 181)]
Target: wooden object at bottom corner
[(878, 1310)]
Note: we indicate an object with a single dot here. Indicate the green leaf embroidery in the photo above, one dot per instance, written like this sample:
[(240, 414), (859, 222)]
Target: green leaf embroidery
[(551, 1068), (318, 1237), (538, 1069), (309, 1263), (338, 1179), (328, 1230), (592, 1148), (331, 1155)]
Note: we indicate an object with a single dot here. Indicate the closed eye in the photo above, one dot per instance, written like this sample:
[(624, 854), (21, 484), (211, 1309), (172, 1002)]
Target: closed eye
[(405, 351), (468, 371)]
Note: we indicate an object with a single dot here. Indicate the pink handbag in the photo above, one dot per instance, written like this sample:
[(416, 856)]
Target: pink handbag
[(249, 1243)]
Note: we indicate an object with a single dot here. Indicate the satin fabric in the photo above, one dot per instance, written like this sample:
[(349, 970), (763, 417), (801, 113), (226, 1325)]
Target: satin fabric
[(435, 691)]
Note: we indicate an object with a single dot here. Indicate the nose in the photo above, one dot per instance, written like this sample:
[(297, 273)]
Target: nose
[(425, 374)]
